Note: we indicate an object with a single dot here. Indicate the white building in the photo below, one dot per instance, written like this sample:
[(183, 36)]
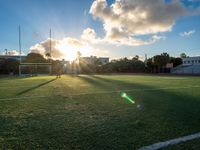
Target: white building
[(92, 59), (104, 60), (191, 61), (191, 65)]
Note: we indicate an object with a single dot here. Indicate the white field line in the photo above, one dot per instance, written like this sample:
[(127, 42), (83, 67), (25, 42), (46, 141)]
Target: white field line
[(100, 92), (15, 86), (25, 97), (160, 145), (175, 78)]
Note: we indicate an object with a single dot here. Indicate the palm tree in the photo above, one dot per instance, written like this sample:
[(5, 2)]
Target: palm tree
[(48, 55)]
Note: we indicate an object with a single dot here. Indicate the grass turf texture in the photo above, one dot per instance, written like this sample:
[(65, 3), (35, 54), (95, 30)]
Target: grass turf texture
[(87, 112)]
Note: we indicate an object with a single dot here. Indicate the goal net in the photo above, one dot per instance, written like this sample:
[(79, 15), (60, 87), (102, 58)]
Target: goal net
[(35, 69)]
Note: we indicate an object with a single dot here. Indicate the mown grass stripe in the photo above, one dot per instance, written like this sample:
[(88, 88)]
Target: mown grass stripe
[(100, 92)]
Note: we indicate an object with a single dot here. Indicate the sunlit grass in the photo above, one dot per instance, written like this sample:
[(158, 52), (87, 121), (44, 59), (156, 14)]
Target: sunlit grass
[(89, 112)]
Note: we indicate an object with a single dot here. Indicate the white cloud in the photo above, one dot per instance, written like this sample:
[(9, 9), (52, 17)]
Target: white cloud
[(130, 41), (72, 41), (44, 47), (187, 34), (125, 19), (88, 34), (66, 48), (12, 53)]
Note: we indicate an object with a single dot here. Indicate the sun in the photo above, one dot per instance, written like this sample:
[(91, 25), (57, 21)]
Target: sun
[(70, 56), (70, 51)]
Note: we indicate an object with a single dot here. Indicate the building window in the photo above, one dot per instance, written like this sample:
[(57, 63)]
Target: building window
[(184, 62), (199, 61), (188, 62), (192, 61), (196, 61)]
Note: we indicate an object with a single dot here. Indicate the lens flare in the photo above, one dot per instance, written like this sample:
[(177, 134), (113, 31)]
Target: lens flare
[(126, 97)]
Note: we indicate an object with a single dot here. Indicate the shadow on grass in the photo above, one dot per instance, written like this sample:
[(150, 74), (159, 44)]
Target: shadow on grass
[(93, 81), (165, 114), (103, 83), (35, 87), (110, 124)]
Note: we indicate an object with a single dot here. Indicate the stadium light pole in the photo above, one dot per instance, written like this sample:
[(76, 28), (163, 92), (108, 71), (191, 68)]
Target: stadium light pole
[(50, 42), (145, 60), (6, 52), (20, 48), (50, 51)]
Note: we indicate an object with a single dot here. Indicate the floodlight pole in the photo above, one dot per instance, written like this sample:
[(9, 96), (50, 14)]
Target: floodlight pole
[(6, 52), (50, 42), (50, 69), (20, 50), (145, 60)]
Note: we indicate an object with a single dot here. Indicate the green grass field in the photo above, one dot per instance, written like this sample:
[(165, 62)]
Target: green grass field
[(87, 112)]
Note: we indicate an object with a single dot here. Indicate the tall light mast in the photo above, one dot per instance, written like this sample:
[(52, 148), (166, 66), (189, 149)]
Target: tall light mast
[(50, 43), (20, 48)]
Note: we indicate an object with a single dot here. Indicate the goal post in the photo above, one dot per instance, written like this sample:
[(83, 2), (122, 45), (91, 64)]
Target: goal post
[(35, 69)]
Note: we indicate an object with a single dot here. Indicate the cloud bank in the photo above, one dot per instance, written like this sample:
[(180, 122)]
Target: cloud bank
[(66, 47), (12, 53), (44, 47), (124, 22), (126, 19)]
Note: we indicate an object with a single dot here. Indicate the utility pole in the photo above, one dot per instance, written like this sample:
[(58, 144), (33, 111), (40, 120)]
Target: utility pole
[(20, 49), (50, 68), (6, 52), (145, 60), (50, 42), (145, 57)]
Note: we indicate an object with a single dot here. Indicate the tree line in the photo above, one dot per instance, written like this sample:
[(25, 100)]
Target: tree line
[(155, 64)]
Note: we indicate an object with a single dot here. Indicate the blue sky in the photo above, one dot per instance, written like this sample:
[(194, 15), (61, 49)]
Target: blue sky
[(69, 18)]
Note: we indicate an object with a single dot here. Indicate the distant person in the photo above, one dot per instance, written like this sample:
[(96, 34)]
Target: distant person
[(58, 71), (58, 74)]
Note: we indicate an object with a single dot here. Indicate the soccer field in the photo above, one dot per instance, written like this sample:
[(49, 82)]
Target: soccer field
[(88, 112)]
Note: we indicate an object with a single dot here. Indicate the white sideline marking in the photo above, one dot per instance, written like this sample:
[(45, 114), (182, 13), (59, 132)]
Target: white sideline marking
[(175, 78), (160, 145), (4, 87), (101, 92), (17, 98)]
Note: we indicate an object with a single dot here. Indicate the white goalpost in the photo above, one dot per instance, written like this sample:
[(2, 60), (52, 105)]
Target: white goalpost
[(36, 68)]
